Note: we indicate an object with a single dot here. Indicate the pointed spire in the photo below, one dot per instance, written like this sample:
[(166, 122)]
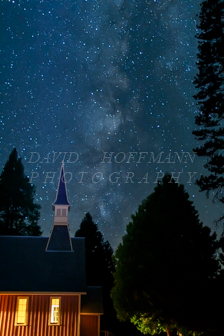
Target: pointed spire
[(60, 239), (61, 196)]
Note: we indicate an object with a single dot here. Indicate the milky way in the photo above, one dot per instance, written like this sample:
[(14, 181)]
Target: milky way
[(84, 78)]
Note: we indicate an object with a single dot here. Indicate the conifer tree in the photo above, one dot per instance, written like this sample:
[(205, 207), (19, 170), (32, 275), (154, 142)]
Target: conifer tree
[(18, 212), (210, 84), (99, 265)]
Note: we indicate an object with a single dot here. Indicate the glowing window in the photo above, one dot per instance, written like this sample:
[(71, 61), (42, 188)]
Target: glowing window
[(22, 311), (55, 310)]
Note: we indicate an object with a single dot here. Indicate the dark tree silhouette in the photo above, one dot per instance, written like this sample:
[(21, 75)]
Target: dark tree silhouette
[(18, 212), (210, 84), (98, 253), (99, 266), (165, 265)]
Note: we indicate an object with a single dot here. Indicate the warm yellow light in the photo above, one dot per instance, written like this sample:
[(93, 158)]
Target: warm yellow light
[(55, 302), (21, 311), (55, 310)]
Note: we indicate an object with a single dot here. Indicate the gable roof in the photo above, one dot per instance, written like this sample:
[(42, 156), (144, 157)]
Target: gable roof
[(61, 196), (26, 266)]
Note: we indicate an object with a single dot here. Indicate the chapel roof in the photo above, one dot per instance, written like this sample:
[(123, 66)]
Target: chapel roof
[(26, 266)]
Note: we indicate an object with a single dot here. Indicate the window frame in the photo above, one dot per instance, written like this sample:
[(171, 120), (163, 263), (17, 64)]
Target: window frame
[(17, 310), (59, 311)]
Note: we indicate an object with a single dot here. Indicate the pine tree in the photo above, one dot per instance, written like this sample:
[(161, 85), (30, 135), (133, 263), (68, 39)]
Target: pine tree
[(99, 266), (18, 212), (210, 83)]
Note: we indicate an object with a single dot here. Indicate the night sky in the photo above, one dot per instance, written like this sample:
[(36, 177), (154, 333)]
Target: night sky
[(88, 77)]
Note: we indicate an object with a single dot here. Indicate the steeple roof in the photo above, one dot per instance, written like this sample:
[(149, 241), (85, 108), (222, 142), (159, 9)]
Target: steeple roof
[(59, 239), (61, 196)]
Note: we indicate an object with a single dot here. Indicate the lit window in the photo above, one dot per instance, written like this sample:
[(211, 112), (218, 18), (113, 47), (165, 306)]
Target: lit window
[(22, 310), (55, 310)]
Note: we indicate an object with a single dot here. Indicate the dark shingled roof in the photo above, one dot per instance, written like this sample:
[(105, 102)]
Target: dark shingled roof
[(59, 239), (92, 302), (61, 197), (26, 266)]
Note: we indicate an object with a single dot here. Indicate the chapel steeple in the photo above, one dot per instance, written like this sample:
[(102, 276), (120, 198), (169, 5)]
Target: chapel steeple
[(60, 239), (61, 205)]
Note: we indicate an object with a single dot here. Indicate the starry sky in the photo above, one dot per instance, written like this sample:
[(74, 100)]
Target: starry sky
[(107, 86)]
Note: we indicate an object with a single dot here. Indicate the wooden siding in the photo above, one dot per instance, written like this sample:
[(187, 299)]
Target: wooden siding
[(89, 325), (38, 316)]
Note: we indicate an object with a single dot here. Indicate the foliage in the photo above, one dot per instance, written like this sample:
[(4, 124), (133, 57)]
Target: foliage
[(147, 324), (210, 84), (18, 212), (165, 265)]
